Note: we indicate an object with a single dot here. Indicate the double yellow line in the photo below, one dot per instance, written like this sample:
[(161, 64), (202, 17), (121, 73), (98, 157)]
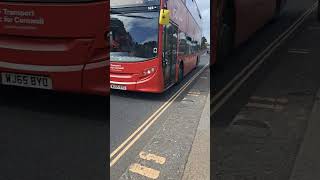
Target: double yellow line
[(134, 137), (246, 72)]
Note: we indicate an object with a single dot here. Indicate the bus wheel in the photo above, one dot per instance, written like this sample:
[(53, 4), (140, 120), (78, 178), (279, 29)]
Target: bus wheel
[(197, 63), (279, 8), (225, 30), (180, 73)]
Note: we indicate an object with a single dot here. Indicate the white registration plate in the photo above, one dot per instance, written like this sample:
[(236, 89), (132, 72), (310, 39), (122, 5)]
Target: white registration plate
[(24, 80), (119, 87)]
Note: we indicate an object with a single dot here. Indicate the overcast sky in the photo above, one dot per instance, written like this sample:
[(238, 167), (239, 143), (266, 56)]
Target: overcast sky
[(204, 6)]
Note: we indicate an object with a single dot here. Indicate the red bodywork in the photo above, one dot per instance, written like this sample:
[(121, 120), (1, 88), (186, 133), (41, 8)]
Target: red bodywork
[(250, 15), (66, 42), (130, 74)]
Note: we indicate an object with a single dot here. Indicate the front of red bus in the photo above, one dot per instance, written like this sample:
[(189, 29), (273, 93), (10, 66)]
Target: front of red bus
[(135, 48), (58, 45)]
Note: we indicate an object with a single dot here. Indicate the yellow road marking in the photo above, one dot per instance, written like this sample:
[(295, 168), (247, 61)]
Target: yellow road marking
[(195, 94), (314, 27), (263, 98), (265, 106), (273, 100), (144, 171), (123, 148), (282, 100), (299, 51), (152, 157), (238, 80)]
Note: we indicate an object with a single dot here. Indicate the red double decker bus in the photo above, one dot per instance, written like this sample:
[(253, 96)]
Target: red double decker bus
[(234, 21), (147, 56), (59, 45)]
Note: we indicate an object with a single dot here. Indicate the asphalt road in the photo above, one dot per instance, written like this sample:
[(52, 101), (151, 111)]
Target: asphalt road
[(257, 133), (129, 110), (52, 136), (246, 53)]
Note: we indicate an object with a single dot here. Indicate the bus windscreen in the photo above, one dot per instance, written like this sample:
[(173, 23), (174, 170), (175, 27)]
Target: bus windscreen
[(134, 36)]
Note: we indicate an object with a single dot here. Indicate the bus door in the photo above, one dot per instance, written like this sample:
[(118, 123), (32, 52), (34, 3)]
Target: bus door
[(169, 60)]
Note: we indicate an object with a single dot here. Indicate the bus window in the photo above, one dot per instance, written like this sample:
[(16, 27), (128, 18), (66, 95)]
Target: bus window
[(135, 36)]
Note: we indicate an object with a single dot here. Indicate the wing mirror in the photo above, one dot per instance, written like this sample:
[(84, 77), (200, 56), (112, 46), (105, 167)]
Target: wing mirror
[(164, 18)]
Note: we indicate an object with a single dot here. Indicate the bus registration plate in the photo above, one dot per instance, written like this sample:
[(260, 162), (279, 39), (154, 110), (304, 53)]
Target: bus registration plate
[(24, 80), (119, 87)]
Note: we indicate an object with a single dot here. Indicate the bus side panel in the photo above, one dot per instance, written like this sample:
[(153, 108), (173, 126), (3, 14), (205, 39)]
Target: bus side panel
[(188, 25), (188, 59), (214, 32), (252, 15)]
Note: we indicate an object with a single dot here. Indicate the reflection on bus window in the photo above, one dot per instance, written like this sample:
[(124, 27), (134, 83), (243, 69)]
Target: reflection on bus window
[(134, 36)]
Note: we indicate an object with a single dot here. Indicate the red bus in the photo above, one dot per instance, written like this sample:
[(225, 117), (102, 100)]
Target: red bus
[(146, 56), (237, 20), (60, 45)]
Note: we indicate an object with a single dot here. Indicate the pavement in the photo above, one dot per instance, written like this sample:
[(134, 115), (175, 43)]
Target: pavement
[(198, 166), (307, 164), (138, 107), (174, 139), (171, 135), (267, 129)]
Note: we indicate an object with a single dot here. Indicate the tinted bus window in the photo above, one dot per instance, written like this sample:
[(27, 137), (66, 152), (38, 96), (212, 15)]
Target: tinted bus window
[(189, 45), (182, 44), (134, 36)]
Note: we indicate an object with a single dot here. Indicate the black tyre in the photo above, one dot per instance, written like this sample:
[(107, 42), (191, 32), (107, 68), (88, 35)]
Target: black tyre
[(180, 73), (197, 63), (280, 6)]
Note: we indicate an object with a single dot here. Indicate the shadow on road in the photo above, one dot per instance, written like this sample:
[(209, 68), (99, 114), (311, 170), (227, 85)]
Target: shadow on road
[(59, 104)]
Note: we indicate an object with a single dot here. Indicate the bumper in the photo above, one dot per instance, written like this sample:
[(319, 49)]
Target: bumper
[(151, 85), (90, 78)]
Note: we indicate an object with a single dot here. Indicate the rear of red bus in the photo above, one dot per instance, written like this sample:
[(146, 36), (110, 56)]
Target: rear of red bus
[(234, 22), (58, 45)]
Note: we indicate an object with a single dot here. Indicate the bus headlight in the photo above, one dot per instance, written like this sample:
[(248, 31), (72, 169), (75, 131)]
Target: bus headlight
[(149, 71)]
